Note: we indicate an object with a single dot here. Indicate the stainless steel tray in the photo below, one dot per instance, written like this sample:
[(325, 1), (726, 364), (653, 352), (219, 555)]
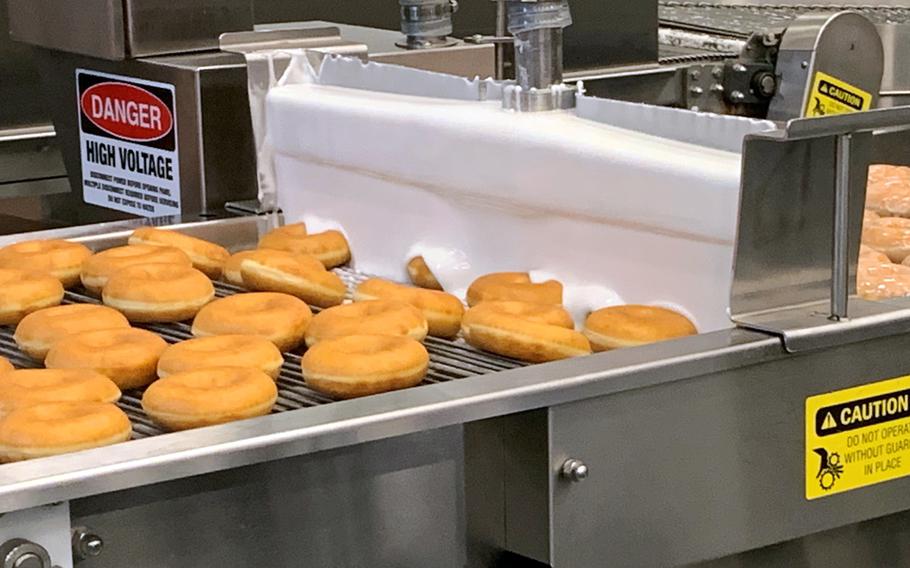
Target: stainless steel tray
[(306, 422)]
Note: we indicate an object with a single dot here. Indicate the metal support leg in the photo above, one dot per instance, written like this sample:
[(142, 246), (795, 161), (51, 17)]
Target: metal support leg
[(840, 266)]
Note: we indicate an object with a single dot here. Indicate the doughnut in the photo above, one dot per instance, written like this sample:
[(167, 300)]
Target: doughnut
[(888, 190), (513, 286), (880, 281), (869, 255), (61, 259), (98, 268), (206, 257), (330, 248), (5, 366), (421, 275), (129, 357), (231, 273), (204, 397), (299, 275), (22, 293), (870, 216), (524, 331), (34, 386), (55, 428), (280, 318), (360, 365), (632, 325), (222, 351), (890, 235), (38, 331), (158, 292), (372, 317), (442, 311)]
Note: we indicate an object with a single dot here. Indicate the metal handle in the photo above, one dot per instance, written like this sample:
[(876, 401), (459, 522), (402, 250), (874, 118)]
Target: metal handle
[(574, 470)]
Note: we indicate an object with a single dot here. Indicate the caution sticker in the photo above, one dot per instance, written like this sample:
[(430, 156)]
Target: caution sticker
[(857, 437), (830, 95)]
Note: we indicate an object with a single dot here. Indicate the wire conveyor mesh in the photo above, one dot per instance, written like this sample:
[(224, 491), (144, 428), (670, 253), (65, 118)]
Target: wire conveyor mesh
[(449, 360)]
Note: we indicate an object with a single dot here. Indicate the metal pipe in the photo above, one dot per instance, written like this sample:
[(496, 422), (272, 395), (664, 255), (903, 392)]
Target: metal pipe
[(840, 267), (501, 31), (538, 58)]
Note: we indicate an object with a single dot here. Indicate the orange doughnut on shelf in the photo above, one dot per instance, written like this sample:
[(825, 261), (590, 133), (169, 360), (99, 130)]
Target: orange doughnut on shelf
[(869, 216), (61, 259), (537, 313), (158, 292), (204, 397), (129, 357), (632, 325), (360, 365), (221, 351), (5, 366), (23, 292), (98, 268), (522, 332), (38, 331), (61, 427), (231, 273), (888, 190), (280, 318), (373, 317), (868, 254), (515, 286), (890, 235), (27, 387), (882, 281), (299, 275), (330, 247), (206, 257), (442, 311), (421, 275)]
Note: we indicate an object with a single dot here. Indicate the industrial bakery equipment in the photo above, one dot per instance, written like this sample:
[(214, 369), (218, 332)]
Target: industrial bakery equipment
[(692, 451)]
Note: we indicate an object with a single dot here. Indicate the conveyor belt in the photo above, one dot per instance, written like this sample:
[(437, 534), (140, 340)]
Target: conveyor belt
[(449, 360), (739, 21)]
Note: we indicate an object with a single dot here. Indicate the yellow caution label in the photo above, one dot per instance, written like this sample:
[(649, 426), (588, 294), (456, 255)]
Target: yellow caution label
[(830, 95), (857, 437)]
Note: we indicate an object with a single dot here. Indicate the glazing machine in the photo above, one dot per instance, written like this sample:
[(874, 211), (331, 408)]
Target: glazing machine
[(700, 451)]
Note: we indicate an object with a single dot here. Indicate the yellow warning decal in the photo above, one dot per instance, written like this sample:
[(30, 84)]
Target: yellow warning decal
[(857, 437), (830, 95)]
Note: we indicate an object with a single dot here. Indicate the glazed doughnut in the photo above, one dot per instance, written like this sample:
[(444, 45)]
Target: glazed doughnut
[(206, 257), (522, 331), (280, 318), (129, 357), (869, 255), (870, 216), (61, 259), (204, 397), (35, 386), (374, 317), (632, 325), (5, 366), (421, 275), (231, 273), (98, 268), (360, 365), (22, 293), (888, 190), (330, 248), (513, 286), (537, 313), (158, 292), (61, 427), (882, 281), (442, 311), (890, 235), (222, 351), (299, 275), (38, 331)]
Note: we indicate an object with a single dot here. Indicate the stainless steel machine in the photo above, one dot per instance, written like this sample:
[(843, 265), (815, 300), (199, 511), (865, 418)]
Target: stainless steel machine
[(697, 451)]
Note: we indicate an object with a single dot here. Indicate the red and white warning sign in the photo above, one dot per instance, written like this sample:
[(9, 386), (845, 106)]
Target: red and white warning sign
[(128, 144)]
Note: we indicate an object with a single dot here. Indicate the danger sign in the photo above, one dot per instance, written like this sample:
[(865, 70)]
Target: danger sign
[(857, 437), (128, 144)]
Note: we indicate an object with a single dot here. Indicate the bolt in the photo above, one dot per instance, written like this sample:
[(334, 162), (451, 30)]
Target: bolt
[(86, 543), (769, 40), (717, 88), (696, 91), (766, 84), (695, 74), (739, 67), (574, 470), (737, 96), (804, 64), (717, 72)]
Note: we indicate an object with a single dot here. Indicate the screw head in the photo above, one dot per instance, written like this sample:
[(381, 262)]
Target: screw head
[(697, 91), (695, 74), (737, 96), (574, 470), (717, 72)]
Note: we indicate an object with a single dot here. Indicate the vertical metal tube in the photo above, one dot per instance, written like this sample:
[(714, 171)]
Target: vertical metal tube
[(538, 58), (501, 31), (840, 266)]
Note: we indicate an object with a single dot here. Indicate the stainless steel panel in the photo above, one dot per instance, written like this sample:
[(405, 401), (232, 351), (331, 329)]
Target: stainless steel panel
[(895, 89), (28, 153), (396, 502), (706, 467), (89, 27)]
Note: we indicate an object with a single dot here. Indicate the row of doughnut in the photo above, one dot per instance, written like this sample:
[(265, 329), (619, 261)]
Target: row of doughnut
[(883, 270), (228, 371)]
